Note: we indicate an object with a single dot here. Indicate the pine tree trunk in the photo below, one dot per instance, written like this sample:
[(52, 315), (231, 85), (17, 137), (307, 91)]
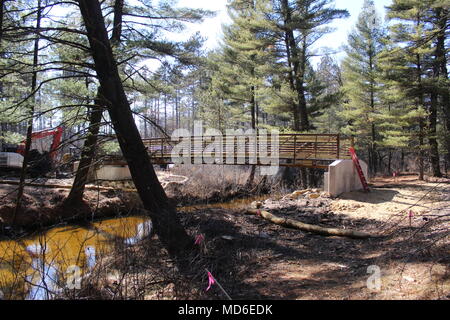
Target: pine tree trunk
[(87, 155), (297, 64), (28, 141), (441, 58), (163, 214), (432, 132), (2, 6), (251, 177), (165, 112), (117, 27), (389, 168), (300, 80), (421, 121)]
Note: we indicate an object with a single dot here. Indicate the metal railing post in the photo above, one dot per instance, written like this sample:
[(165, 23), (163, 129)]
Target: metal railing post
[(295, 149), (338, 142)]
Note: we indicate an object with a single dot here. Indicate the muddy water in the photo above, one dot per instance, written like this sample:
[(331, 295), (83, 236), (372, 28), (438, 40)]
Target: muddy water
[(36, 267)]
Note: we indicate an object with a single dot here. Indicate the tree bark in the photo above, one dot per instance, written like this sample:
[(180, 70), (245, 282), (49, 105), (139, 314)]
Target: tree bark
[(432, 132), (2, 6), (166, 222), (420, 103), (26, 157), (372, 147), (251, 177), (87, 155), (297, 64), (442, 15), (117, 27), (291, 223)]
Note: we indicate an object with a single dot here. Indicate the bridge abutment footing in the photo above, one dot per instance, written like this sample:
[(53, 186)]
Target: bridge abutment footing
[(342, 177)]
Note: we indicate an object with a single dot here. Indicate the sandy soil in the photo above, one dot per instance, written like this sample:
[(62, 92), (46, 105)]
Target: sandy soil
[(268, 261)]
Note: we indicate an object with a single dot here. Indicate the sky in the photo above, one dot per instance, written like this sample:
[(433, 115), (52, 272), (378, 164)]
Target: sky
[(212, 27)]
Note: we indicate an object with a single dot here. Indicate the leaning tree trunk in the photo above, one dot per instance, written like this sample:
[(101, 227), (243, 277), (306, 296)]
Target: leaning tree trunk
[(2, 5), (164, 217), (87, 156)]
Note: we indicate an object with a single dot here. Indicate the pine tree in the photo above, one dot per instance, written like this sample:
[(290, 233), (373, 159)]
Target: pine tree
[(240, 64), (327, 118), (410, 70), (361, 87), (297, 25)]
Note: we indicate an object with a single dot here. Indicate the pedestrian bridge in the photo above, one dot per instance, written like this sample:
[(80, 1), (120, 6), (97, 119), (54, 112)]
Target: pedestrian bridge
[(291, 150), (324, 151)]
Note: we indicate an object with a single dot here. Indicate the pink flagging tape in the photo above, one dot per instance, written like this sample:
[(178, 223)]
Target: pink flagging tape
[(199, 239), (211, 281), (411, 215), (258, 213)]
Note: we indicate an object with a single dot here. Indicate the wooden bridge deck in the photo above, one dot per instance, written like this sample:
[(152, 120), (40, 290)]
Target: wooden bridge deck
[(295, 150)]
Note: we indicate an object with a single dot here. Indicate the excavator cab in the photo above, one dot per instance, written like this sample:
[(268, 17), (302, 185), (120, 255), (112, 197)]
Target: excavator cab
[(43, 152)]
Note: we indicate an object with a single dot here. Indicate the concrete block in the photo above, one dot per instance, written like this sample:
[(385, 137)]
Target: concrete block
[(113, 172), (11, 160), (106, 172), (343, 177)]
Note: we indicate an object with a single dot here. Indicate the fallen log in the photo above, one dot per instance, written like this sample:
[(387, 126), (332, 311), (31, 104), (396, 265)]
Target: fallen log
[(291, 223)]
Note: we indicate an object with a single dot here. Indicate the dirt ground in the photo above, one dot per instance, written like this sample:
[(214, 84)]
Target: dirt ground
[(41, 206), (266, 261), (255, 259)]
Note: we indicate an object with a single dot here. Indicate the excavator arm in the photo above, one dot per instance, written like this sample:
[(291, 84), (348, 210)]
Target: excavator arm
[(57, 135)]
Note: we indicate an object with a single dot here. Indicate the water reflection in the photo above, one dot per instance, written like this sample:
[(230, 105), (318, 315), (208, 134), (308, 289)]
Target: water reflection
[(35, 267), (43, 281), (143, 230), (90, 257)]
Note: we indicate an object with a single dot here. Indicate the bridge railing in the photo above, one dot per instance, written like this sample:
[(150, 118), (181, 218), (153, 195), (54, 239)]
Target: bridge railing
[(291, 147)]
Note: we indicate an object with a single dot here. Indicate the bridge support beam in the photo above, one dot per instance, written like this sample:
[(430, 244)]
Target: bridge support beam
[(342, 177)]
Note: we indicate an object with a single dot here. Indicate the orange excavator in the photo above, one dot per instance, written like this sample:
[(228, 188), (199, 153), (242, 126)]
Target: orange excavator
[(43, 151)]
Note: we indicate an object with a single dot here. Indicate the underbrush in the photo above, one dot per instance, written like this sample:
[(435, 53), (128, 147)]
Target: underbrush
[(213, 183)]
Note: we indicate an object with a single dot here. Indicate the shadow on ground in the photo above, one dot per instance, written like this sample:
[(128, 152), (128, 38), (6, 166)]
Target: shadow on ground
[(266, 261)]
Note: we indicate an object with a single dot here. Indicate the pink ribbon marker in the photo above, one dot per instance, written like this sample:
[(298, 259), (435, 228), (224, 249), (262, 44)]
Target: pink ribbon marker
[(258, 213), (211, 281), (199, 239), (411, 215)]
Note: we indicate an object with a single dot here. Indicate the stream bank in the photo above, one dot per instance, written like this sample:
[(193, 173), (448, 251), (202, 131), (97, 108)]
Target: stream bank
[(255, 259)]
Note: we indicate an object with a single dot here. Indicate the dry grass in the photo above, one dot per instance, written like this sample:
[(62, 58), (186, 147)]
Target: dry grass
[(213, 183)]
